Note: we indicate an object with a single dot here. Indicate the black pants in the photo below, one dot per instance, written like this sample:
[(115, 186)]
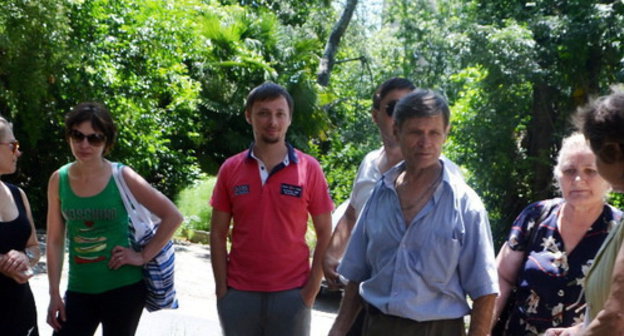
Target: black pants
[(119, 311), (18, 315)]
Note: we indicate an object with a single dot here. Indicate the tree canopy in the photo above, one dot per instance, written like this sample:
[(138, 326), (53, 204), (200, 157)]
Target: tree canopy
[(175, 75)]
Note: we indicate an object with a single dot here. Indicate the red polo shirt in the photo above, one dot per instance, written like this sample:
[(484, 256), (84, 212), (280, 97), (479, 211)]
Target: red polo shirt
[(269, 251)]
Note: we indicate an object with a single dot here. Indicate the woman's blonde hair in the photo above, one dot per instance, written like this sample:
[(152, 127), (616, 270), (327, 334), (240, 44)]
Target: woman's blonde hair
[(4, 125), (572, 144)]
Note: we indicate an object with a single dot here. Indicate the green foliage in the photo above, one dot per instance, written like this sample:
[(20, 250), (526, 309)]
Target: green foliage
[(127, 55), (537, 62), (33, 39), (617, 200), (174, 74), (484, 138), (262, 50), (289, 12), (33, 45), (193, 203), (353, 135)]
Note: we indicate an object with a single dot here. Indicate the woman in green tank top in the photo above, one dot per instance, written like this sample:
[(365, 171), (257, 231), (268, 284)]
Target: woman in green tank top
[(602, 123), (105, 282)]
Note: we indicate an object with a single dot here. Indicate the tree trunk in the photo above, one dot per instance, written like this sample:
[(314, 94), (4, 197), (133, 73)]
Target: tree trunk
[(541, 133), (328, 60)]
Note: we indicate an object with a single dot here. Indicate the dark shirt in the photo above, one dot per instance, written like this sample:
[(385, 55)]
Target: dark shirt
[(18, 315), (550, 281)]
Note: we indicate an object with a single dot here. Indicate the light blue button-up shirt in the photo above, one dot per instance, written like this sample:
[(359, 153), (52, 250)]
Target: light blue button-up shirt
[(422, 271)]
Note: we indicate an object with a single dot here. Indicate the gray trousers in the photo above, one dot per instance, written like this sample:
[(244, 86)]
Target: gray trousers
[(244, 313), (379, 324)]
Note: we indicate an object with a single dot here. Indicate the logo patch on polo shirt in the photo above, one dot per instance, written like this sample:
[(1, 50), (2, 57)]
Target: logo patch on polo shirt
[(241, 189), (291, 190)]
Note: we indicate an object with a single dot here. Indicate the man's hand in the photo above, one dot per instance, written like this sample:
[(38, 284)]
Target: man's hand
[(308, 294), (330, 265), (220, 291)]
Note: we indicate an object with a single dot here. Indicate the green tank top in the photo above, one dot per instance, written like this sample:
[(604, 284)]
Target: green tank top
[(600, 275), (95, 225)]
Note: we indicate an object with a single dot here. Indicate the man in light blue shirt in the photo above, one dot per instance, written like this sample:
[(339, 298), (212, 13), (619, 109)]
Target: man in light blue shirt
[(422, 242)]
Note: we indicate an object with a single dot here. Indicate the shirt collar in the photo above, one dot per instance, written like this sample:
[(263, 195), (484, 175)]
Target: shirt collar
[(390, 176), (291, 155)]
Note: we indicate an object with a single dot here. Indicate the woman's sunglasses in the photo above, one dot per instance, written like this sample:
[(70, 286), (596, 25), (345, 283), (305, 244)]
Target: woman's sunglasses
[(13, 145), (94, 139)]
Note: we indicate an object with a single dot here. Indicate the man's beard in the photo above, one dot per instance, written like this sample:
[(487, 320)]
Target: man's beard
[(270, 141)]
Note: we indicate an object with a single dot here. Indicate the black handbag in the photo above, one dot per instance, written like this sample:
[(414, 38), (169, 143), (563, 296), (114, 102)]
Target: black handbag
[(499, 326)]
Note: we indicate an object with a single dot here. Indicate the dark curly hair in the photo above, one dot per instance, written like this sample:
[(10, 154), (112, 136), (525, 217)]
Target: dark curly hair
[(602, 123)]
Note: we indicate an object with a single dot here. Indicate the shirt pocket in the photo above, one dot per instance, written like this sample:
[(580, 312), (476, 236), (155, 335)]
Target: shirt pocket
[(290, 196), (439, 260)]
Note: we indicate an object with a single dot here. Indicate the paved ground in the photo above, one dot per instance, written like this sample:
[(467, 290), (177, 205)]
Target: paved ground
[(197, 314)]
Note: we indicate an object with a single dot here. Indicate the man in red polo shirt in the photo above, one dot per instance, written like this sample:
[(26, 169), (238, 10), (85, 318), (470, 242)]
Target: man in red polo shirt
[(265, 286)]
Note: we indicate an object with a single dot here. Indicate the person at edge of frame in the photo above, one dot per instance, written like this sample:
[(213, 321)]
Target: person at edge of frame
[(19, 248)]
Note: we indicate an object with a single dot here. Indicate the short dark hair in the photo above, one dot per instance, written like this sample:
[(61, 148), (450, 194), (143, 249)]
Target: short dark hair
[(421, 103), (602, 121), (99, 117), (394, 83), (268, 91)]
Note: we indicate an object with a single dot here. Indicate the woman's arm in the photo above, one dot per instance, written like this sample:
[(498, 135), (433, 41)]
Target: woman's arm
[(16, 264), (158, 204), (32, 246), (508, 264), (54, 251)]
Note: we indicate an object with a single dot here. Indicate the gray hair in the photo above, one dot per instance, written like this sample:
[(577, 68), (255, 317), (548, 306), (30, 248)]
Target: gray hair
[(421, 103), (572, 144), (4, 125)]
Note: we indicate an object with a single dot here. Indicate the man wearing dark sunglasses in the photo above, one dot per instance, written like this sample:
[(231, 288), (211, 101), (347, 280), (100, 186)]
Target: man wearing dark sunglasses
[(372, 167), (268, 191)]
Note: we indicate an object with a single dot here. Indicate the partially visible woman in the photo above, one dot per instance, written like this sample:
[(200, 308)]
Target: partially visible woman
[(551, 245), (602, 122), (105, 283), (19, 250)]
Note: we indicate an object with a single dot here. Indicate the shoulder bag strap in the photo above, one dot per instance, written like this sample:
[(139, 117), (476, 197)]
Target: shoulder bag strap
[(140, 216), (123, 189)]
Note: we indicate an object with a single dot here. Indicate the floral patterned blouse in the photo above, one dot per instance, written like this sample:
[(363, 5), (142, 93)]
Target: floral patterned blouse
[(550, 281)]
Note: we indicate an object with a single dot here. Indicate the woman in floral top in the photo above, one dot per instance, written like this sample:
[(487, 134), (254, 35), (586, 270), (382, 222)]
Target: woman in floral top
[(549, 267)]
